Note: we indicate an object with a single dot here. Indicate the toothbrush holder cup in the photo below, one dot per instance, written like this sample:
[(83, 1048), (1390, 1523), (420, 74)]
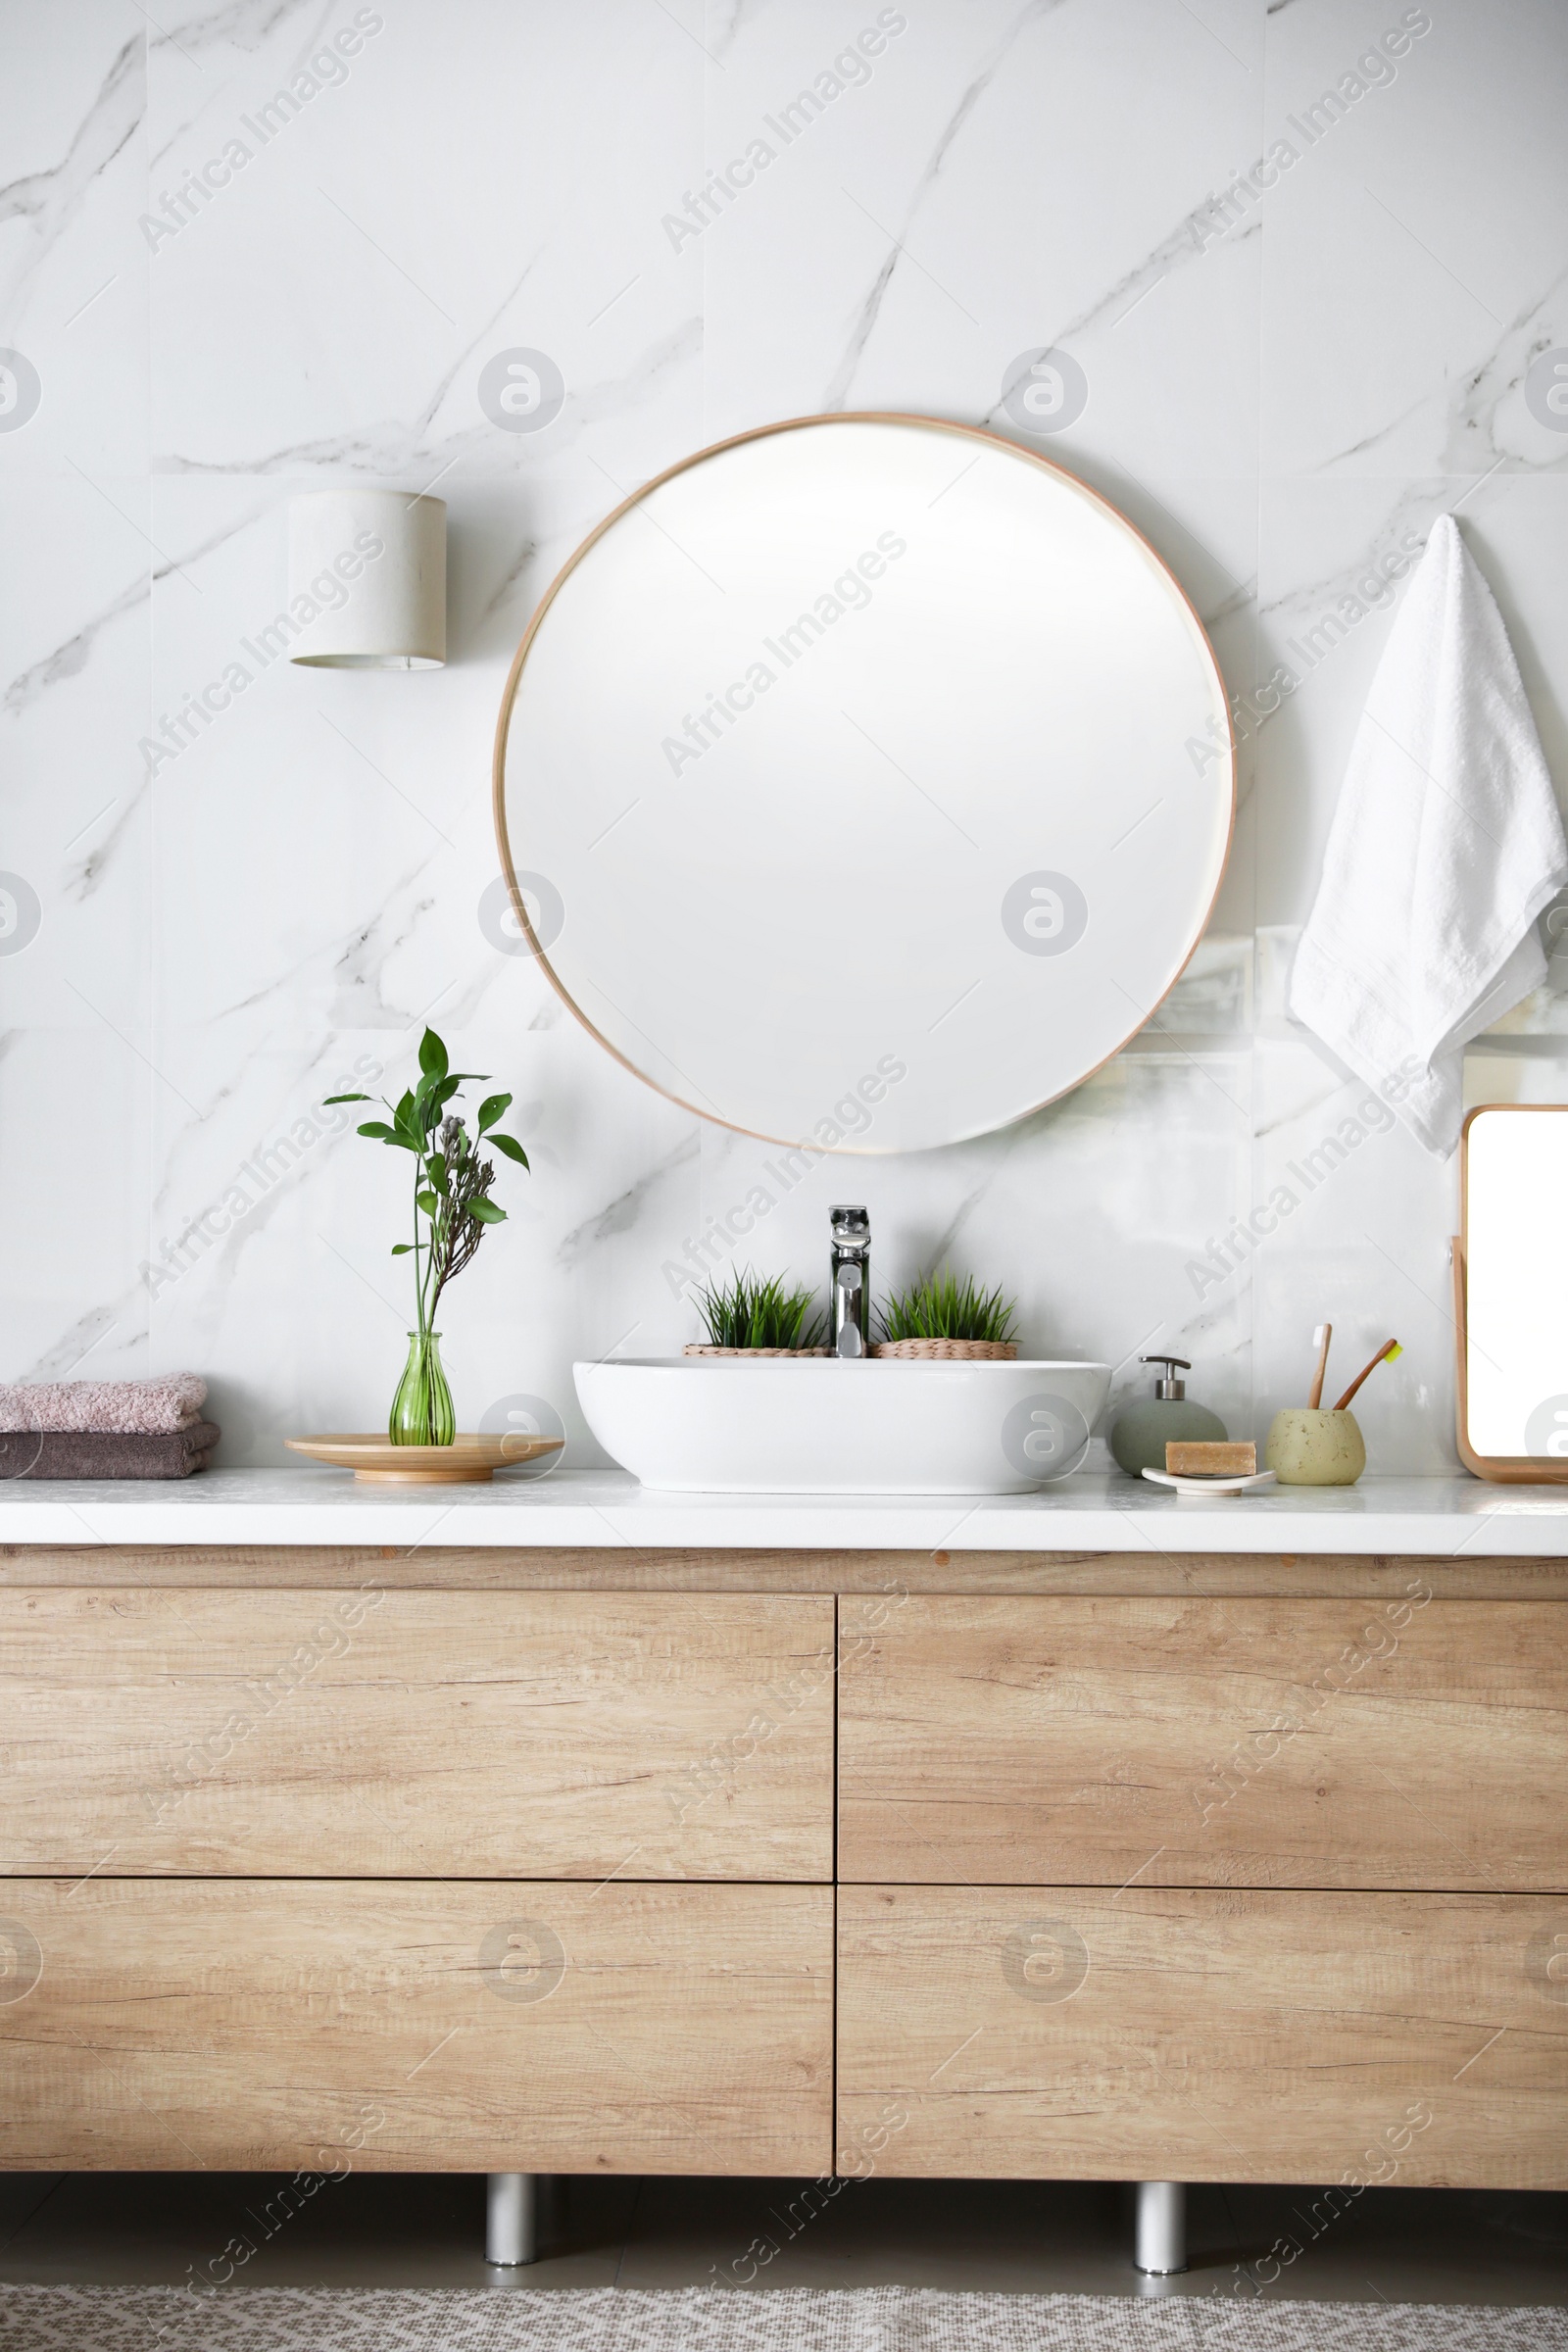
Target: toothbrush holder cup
[(1309, 1448)]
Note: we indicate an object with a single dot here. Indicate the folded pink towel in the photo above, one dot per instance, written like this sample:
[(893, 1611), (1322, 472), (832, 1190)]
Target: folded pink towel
[(119, 1408)]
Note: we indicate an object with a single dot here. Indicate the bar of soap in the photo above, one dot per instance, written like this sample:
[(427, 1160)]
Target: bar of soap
[(1210, 1458)]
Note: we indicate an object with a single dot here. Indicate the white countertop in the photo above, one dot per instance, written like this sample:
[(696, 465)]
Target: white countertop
[(1434, 1516)]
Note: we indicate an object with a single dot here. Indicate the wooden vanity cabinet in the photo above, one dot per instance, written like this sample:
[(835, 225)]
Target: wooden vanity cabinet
[(1174, 1868)]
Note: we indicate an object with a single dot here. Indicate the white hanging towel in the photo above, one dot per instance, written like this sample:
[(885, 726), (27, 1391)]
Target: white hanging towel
[(1446, 846)]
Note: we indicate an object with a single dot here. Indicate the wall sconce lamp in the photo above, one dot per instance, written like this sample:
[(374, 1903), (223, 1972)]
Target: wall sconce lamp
[(368, 580)]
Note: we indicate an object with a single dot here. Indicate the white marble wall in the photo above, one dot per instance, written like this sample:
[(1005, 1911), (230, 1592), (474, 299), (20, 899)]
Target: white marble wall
[(1273, 403)]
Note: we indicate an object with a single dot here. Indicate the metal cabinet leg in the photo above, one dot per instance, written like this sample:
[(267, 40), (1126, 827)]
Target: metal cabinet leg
[(512, 2221), (1162, 2228)]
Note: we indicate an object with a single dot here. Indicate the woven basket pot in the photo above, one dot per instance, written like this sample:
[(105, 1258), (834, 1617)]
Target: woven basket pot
[(965, 1351), (695, 1348)]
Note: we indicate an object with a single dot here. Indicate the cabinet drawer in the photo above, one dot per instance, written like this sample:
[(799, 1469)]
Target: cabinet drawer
[(1404, 1743), (409, 1734), (279, 2026), (1042, 2032)]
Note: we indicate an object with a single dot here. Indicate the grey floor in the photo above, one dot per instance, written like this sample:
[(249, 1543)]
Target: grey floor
[(427, 2230)]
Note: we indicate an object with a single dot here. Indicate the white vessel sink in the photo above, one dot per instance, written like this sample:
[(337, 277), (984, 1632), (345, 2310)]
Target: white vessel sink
[(729, 1425)]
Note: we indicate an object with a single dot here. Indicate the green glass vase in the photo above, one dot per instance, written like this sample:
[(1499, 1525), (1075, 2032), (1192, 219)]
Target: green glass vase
[(422, 1411)]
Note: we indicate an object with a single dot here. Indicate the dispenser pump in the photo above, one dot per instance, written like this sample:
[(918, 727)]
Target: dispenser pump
[(1139, 1436)]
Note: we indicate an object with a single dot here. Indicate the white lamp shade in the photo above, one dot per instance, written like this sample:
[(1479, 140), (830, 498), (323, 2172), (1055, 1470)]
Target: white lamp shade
[(367, 580)]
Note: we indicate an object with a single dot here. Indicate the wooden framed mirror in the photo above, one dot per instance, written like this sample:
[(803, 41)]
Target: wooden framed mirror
[(1511, 1280), (864, 782)]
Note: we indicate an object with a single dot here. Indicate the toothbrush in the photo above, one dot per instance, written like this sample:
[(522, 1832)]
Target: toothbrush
[(1386, 1353), (1320, 1341)]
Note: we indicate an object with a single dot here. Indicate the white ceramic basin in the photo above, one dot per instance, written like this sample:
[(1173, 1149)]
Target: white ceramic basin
[(727, 1425)]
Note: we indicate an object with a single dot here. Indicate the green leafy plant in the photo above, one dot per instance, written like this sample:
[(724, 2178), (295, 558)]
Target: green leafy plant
[(938, 1307), (753, 1311), (451, 1210)]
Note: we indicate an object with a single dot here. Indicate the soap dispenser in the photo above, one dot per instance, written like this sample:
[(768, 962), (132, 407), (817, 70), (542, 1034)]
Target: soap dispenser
[(1137, 1436)]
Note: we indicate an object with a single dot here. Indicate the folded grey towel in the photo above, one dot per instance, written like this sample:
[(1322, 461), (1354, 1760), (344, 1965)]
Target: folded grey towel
[(91, 1453), (150, 1407)]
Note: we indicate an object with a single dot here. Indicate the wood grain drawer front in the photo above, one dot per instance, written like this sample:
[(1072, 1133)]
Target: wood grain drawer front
[(1395, 1744), (408, 1735), (413, 2026), (1042, 2032)]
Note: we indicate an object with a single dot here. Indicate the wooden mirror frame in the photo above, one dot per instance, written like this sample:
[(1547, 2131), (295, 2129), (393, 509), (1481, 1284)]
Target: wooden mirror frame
[(1502, 1469), (980, 434)]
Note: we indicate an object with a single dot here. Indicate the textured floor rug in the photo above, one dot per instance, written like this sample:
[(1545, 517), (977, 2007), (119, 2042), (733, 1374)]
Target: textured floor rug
[(886, 2319)]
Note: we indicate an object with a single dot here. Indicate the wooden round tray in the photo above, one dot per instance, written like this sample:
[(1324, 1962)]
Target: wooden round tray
[(466, 1462)]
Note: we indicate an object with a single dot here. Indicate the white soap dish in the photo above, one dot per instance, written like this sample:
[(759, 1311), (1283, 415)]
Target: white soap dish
[(1190, 1488)]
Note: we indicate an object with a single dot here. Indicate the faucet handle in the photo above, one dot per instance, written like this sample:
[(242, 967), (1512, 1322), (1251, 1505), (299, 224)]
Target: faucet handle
[(848, 1269)]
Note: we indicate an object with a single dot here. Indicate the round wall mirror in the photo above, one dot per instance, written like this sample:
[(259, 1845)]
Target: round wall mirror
[(864, 782)]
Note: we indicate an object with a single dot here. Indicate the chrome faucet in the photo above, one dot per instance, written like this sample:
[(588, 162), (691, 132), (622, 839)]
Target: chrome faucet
[(849, 1272)]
